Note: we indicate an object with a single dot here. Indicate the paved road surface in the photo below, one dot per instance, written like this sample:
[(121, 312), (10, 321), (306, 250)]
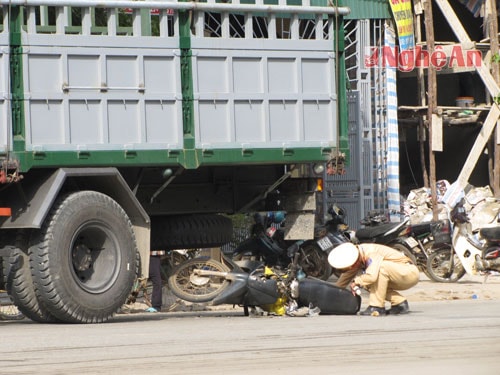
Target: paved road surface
[(438, 337)]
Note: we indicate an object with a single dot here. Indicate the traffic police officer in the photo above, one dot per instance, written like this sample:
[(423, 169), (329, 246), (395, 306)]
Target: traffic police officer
[(379, 269)]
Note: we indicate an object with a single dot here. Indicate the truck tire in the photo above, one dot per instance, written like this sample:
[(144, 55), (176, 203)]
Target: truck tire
[(19, 283), (84, 260), (190, 231)]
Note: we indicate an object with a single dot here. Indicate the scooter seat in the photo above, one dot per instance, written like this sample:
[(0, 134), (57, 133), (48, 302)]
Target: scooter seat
[(370, 233), (490, 233), (421, 228)]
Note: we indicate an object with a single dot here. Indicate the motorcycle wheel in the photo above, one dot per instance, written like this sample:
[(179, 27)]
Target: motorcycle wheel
[(407, 252), (195, 288), (443, 268), (314, 261), (431, 247)]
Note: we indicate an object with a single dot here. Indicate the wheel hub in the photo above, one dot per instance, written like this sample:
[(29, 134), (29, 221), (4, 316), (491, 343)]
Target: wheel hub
[(198, 280), (82, 258)]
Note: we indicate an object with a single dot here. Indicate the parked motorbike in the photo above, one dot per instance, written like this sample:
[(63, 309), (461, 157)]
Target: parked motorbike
[(395, 235), (267, 244), (478, 252), (333, 233), (417, 242), (251, 284), (435, 250)]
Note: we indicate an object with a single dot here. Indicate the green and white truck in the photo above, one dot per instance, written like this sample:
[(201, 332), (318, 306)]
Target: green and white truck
[(127, 126)]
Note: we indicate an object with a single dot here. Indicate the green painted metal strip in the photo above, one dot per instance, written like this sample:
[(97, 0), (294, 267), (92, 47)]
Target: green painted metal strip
[(366, 9), (16, 78), (342, 82), (56, 159), (187, 86)]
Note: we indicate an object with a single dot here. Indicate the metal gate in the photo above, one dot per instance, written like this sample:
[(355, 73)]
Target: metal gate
[(348, 190), (364, 186)]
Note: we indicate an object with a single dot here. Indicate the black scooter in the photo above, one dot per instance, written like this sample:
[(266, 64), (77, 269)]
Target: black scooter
[(267, 244), (396, 235)]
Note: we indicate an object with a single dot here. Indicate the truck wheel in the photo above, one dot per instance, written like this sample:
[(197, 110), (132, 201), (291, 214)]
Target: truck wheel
[(190, 231), (84, 260), (19, 283)]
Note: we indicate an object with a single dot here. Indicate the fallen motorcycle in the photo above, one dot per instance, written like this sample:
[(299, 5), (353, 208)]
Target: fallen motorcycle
[(252, 284), (267, 244)]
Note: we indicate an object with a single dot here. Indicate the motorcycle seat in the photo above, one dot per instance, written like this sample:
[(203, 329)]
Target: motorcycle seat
[(490, 233), (370, 233), (421, 228)]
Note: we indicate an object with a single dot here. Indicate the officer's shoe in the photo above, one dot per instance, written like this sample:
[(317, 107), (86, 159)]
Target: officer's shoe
[(401, 308), (373, 311)]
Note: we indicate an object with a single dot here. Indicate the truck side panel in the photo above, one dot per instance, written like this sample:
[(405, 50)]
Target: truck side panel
[(92, 94)]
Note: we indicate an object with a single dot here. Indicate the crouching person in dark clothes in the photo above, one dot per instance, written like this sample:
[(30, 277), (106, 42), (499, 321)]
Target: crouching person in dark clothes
[(379, 269), (155, 277)]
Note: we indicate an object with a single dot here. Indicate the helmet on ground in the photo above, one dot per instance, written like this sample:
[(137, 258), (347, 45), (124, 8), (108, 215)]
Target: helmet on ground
[(343, 256)]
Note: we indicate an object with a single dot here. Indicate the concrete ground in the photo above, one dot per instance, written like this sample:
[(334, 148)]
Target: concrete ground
[(469, 287)]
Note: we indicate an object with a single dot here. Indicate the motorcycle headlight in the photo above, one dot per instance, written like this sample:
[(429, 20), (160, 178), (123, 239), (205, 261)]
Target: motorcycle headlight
[(318, 168)]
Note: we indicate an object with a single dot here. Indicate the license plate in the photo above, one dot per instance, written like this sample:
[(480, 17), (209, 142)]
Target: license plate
[(324, 243), (410, 241)]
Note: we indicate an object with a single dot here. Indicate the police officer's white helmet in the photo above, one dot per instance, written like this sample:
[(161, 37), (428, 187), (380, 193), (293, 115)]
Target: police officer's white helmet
[(343, 256)]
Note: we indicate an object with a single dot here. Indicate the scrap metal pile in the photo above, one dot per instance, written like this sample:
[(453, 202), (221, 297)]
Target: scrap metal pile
[(480, 204)]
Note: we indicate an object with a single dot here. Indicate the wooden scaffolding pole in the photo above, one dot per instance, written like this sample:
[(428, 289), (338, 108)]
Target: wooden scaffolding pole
[(422, 137), (431, 103), (491, 18)]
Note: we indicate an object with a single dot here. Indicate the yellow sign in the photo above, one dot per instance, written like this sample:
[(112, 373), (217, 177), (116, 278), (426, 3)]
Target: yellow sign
[(403, 15)]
